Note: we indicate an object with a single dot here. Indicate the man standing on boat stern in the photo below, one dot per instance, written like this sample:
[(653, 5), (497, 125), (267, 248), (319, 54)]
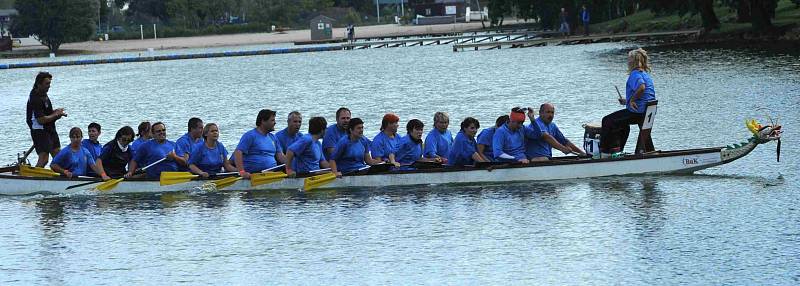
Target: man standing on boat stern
[(542, 135), (258, 149), (41, 119), (335, 132), (291, 133), (508, 143), (439, 140), (184, 144)]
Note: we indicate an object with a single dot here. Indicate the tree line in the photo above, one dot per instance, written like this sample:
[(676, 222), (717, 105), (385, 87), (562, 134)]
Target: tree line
[(757, 12), (58, 21)]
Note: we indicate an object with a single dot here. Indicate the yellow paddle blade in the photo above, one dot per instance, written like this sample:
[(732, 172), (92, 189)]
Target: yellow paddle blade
[(29, 171), (171, 178), (266, 178), (108, 185), (226, 182), (311, 183)]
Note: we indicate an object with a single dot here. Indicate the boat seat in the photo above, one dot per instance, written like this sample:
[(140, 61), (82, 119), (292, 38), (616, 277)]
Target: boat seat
[(645, 142)]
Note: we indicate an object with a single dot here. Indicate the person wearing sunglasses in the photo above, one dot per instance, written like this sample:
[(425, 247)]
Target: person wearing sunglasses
[(154, 150)]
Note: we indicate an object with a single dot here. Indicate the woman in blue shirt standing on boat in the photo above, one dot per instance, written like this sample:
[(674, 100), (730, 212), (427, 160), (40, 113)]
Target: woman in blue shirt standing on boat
[(638, 91), (352, 151), (208, 156)]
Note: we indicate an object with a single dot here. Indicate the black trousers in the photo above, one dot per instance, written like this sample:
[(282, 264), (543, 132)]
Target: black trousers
[(616, 128)]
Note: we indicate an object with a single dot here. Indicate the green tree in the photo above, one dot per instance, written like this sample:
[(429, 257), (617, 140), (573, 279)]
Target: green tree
[(54, 22)]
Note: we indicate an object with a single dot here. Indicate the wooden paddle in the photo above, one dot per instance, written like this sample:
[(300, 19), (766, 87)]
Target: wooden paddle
[(111, 184)]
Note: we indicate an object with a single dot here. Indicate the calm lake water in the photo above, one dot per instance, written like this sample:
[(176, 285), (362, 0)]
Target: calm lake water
[(734, 224)]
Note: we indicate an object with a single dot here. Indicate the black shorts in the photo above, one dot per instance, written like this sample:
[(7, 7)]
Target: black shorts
[(45, 141)]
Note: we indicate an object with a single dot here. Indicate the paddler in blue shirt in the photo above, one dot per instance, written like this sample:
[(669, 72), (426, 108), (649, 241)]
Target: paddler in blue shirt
[(75, 160), (410, 148), (305, 154), (291, 133), (153, 150), (336, 131), (543, 134), (464, 151), (188, 140), (93, 145), (352, 151), (258, 148), (439, 140), (209, 156), (384, 145), (508, 143), (144, 136), (485, 138)]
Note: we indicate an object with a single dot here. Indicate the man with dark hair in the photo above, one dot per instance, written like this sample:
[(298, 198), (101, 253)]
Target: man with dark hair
[(185, 143), (336, 131), (291, 133), (154, 150), (41, 119), (305, 154), (92, 144), (258, 148)]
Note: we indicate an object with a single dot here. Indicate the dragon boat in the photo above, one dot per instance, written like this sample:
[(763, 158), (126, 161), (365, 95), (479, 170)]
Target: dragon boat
[(15, 182)]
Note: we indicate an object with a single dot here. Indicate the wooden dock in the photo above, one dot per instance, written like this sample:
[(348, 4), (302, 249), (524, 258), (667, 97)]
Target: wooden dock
[(474, 38), (525, 43)]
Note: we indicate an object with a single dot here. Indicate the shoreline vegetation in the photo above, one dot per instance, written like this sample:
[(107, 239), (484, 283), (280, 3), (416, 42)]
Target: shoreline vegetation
[(785, 31)]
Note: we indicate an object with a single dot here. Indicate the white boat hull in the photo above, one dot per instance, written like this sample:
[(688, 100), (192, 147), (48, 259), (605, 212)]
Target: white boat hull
[(674, 162)]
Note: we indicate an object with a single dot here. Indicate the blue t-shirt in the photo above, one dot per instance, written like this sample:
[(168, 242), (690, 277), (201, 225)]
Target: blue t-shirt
[(535, 146), (209, 160), (184, 145), (438, 143), (408, 152), (76, 162), (307, 154), (258, 150), (635, 79), (349, 154), (95, 149), (485, 139), (382, 145), (462, 151), (332, 136), (508, 142), (152, 151), (136, 143), (285, 140)]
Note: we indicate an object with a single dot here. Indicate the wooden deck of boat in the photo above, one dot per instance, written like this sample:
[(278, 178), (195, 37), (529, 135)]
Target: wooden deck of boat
[(572, 40)]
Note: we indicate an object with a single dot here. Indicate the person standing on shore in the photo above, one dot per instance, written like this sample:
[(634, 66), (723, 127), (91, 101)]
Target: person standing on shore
[(564, 29), (585, 19), (41, 119)]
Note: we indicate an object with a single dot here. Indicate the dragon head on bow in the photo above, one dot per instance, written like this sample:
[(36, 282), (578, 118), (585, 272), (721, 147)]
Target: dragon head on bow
[(766, 133)]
